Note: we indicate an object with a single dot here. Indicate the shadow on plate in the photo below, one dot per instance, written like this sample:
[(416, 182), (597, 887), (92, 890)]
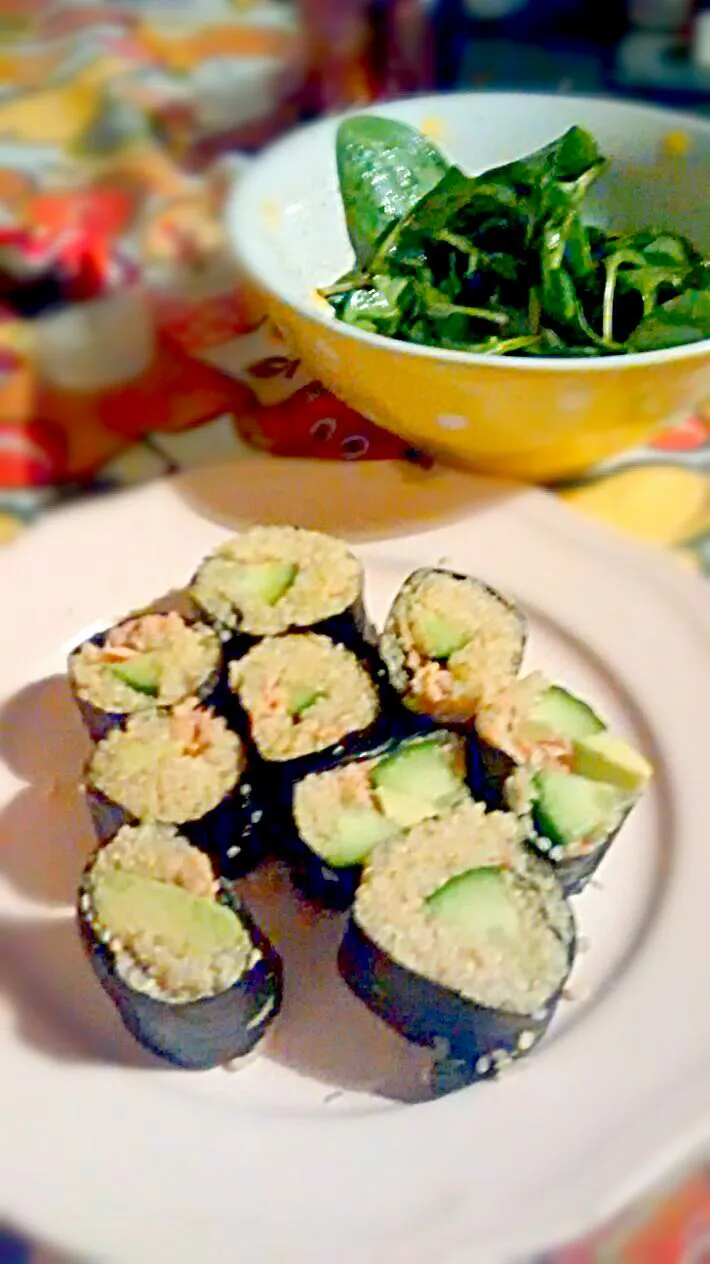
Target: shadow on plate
[(42, 738), (45, 830), (45, 840), (323, 1032), (357, 500), (54, 999)]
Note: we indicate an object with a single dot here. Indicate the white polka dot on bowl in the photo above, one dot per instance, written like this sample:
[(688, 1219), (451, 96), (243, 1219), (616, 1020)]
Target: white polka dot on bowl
[(451, 421)]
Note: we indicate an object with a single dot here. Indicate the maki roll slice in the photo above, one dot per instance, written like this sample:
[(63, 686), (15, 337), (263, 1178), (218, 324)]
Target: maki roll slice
[(183, 767), (302, 698), (148, 661), (271, 580), (462, 940), (192, 976), (549, 757), (449, 640), (337, 817)]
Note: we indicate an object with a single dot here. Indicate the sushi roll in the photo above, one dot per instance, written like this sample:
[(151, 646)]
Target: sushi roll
[(303, 698), (462, 940), (271, 580), (192, 976), (549, 757), (148, 661), (336, 817), (183, 767), (448, 641)]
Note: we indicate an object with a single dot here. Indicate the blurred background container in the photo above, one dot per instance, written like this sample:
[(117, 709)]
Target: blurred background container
[(654, 50)]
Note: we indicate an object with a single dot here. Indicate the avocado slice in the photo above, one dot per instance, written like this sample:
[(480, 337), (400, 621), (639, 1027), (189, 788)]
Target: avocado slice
[(405, 809), (604, 758), (421, 770), (476, 904), (570, 807), (562, 714), (436, 636), (301, 697), (136, 754), (357, 832), (141, 673), (130, 905), (259, 581)]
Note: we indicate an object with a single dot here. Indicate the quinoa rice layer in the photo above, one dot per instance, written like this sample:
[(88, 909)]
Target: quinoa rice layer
[(327, 581), (320, 798), (454, 689), (183, 656), (345, 699), (156, 959), (514, 974), (168, 766)]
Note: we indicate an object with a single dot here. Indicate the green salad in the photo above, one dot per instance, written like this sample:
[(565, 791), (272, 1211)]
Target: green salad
[(504, 262)]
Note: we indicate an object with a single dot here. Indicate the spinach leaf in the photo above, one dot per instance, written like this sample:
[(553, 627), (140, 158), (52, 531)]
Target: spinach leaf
[(503, 262), (384, 167), (682, 320)]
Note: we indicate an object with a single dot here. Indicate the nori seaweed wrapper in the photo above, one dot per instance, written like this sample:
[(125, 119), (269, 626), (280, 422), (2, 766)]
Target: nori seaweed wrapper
[(323, 883), (573, 872), (205, 1033), (469, 1042), (489, 771), (213, 692), (234, 833), (394, 655)]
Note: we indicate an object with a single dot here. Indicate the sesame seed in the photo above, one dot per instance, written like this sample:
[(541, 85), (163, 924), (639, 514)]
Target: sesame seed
[(233, 851), (526, 1040), (483, 1065)]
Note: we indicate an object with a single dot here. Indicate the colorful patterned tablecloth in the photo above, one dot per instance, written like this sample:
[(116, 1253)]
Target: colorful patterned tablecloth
[(115, 119)]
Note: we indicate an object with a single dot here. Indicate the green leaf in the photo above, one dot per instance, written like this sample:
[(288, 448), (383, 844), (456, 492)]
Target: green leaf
[(674, 324), (384, 168), (377, 308), (503, 262)]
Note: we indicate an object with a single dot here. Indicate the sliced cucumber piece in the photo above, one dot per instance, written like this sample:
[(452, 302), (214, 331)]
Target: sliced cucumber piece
[(260, 581), (404, 809), (562, 714), (420, 770), (610, 759), (436, 636), (358, 831), (476, 904), (302, 697), (570, 808), (141, 673)]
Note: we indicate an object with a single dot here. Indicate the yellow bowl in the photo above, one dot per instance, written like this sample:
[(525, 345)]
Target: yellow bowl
[(530, 419)]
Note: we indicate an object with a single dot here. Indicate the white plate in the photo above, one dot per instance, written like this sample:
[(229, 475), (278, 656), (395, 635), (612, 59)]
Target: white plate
[(106, 1152)]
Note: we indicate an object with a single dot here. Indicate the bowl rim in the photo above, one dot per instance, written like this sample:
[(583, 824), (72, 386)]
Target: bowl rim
[(240, 209)]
